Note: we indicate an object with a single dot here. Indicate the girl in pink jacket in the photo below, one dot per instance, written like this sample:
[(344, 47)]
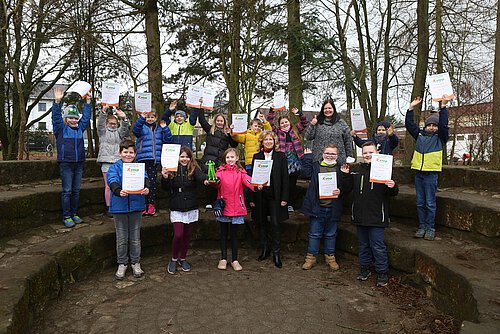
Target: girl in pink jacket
[(232, 178)]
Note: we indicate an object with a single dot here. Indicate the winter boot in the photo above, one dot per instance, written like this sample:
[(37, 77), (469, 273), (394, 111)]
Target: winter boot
[(331, 262), (309, 262)]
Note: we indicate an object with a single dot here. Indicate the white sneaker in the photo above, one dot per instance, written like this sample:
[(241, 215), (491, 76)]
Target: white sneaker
[(136, 268), (290, 208), (120, 273), (208, 207)]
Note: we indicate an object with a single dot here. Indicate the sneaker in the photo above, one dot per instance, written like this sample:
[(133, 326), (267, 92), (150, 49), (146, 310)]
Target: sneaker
[(290, 208), (120, 273), (151, 210), (184, 265), (76, 219), (208, 207), (172, 267), (136, 268), (382, 279), (430, 234), (236, 266), (68, 222), (420, 233), (364, 273), (222, 265)]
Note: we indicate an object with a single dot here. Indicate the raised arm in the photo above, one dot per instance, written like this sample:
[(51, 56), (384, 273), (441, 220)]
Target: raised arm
[(57, 120), (310, 131), (443, 129), (124, 130), (87, 113), (410, 124), (194, 115), (303, 123), (168, 112), (139, 123), (101, 123), (203, 121)]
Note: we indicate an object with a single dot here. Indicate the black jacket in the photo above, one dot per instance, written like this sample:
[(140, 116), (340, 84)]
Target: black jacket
[(279, 184), (183, 194), (216, 143), (370, 200)]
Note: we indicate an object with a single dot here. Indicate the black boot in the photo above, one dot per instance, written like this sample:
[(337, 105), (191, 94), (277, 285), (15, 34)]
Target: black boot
[(277, 261), (264, 254)]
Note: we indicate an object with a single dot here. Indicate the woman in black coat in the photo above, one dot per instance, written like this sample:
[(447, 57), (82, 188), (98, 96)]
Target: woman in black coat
[(218, 140), (273, 199)]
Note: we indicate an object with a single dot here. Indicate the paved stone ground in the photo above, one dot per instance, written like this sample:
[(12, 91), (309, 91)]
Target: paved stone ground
[(259, 299)]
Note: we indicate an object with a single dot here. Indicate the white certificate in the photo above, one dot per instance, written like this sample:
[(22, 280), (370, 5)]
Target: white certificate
[(440, 87), (327, 184), (208, 99), (110, 94), (261, 174), (381, 168), (358, 120), (170, 156), (133, 177), (193, 96), (240, 122), (279, 100), (142, 102), (81, 87)]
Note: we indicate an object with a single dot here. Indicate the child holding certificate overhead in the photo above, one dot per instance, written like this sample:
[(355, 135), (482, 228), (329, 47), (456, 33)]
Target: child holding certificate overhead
[(427, 161), (290, 144), (150, 139), (322, 204), (370, 214), (183, 205), (232, 180), (182, 128), (385, 138), (126, 209)]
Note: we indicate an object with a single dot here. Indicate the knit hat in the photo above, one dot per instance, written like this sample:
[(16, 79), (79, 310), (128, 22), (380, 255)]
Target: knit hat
[(180, 112), (71, 112), (385, 124), (432, 119)]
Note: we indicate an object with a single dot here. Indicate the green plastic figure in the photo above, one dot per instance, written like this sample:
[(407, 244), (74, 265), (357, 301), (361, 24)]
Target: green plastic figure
[(211, 171)]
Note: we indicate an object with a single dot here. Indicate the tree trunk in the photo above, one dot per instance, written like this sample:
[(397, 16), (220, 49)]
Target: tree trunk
[(235, 52), (420, 69), (495, 157), (294, 54), (4, 136), (387, 60), (439, 56), (155, 75), (348, 84)]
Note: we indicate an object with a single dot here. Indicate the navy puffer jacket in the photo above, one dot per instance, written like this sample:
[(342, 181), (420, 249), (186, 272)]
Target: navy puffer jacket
[(150, 138)]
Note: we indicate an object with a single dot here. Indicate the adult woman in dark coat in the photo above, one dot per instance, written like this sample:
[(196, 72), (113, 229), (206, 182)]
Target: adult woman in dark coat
[(273, 199)]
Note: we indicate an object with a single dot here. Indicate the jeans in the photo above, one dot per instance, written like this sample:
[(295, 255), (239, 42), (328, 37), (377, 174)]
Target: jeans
[(371, 245), (426, 188), (71, 177), (128, 236), (323, 226)]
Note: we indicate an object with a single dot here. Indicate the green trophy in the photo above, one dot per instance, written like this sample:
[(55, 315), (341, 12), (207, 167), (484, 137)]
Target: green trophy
[(211, 171)]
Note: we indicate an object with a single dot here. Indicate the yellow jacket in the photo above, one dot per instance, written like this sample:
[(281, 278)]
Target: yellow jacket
[(251, 141)]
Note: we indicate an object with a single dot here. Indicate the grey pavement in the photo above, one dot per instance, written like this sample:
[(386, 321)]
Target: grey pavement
[(259, 299)]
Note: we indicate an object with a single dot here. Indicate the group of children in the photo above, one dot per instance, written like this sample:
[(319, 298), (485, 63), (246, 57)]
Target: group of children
[(278, 141)]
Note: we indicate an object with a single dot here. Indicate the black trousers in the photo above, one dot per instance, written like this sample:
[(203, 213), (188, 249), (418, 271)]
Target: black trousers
[(269, 229), (224, 231)]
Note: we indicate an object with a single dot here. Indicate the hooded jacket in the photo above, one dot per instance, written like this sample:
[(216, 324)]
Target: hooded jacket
[(150, 139), (230, 189), (118, 204), (69, 140), (182, 133)]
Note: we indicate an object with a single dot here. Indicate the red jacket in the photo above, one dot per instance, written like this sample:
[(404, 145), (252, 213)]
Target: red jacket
[(232, 180)]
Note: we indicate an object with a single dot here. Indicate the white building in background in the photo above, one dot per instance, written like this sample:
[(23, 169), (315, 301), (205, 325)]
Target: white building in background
[(42, 107)]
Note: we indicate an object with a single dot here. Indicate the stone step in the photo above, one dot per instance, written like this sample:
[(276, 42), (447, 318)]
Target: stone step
[(460, 276)]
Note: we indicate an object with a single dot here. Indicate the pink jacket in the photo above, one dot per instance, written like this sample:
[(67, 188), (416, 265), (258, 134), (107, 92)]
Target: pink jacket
[(232, 180)]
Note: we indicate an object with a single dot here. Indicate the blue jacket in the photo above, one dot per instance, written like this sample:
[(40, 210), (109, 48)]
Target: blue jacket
[(118, 204), (385, 145), (182, 133), (69, 140), (150, 140), (311, 205)]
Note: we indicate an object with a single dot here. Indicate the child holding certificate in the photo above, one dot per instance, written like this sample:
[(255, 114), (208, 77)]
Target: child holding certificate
[(273, 199), (150, 139), (427, 161), (183, 205), (385, 139), (127, 212), (68, 131), (324, 211), (370, 214), (232, 180), (111, 133), (182, 128), (290, 144)]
